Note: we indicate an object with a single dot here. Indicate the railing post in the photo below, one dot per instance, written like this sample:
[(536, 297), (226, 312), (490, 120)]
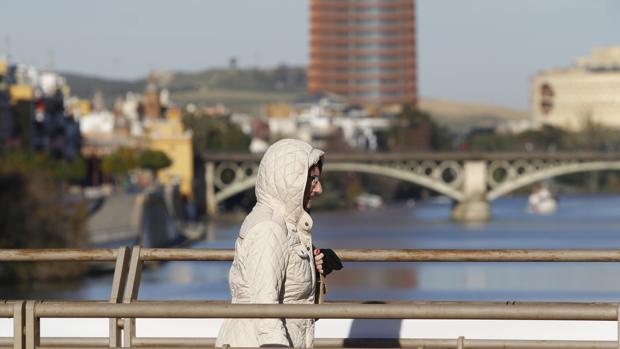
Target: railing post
[(212, 210), (460, 343), (618, 314), (33, 334), (18, 325), (131, 293), (116, 295)]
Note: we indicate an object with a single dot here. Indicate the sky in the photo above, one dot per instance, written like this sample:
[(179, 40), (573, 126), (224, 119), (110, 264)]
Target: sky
[(481, 51)]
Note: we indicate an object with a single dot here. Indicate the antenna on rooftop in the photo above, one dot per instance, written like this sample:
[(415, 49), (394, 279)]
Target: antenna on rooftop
[(50, 59), (7, 48), (256, 59)]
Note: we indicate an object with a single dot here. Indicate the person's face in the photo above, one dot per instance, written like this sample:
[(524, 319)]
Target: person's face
[(313, 186)]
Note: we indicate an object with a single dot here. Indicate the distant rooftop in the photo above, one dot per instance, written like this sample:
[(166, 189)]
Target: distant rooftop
[(602, 58)]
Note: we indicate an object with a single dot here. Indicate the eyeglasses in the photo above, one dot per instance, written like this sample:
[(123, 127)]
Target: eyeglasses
[(314, 179)]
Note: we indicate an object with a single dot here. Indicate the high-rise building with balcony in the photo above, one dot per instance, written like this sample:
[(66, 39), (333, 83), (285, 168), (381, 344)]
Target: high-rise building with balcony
[(364, 50)]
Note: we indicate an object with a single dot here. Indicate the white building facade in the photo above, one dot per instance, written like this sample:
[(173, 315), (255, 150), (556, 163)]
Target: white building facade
[(316, 122), (588, 93)]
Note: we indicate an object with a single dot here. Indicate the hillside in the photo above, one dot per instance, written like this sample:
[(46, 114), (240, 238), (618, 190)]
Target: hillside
[(240, 89), (459, 115), (85, 86), (248, 90)]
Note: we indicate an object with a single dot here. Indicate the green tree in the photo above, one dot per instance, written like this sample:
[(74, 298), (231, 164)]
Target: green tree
[(153, 160), (216, 134), (38, 213), (72, 171), (596, 137), (120, 162), (416, 130)]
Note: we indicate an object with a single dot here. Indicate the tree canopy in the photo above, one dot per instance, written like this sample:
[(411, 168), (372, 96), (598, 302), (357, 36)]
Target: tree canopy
[(153, 160)]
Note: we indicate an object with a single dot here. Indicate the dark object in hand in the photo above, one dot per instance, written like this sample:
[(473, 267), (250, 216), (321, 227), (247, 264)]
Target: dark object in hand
[(331, 261)]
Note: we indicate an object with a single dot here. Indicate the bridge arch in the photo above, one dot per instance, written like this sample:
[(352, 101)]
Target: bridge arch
[(235, 188), (537, 176), (403, 175)]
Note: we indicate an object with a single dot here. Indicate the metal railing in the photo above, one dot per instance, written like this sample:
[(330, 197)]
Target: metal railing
[(566, 155), (123, 307), (121, 258)]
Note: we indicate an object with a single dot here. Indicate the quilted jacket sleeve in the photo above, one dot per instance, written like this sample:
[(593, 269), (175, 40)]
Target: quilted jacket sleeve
[(266, 262)]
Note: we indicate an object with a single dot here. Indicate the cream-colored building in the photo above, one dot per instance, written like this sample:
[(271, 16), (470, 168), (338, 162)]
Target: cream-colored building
[(587, 93), (170, 137)]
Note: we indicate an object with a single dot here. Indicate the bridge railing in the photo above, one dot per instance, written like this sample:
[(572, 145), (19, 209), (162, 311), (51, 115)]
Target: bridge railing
[(123, 307), (470, 179), (454, 155), (119, 256)]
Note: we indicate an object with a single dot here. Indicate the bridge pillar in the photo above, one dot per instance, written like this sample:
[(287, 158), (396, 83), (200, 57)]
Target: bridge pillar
[(212, 209), (474, 206)]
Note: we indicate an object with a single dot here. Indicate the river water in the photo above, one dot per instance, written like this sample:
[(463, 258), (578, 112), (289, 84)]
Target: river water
[(581, 222)]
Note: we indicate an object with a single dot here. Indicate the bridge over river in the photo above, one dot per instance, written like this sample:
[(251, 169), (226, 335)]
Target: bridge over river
[(472, 180)]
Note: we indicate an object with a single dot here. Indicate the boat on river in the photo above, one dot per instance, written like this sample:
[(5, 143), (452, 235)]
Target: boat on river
[(368, 201), (541, 201)]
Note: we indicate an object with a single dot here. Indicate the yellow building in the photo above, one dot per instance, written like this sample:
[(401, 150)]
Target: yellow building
[(169, 136), (20, 93), (84, 106), (276, 110), (79, 107)]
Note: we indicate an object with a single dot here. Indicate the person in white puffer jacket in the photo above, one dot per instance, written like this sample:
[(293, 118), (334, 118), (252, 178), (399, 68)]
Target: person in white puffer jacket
[(274, 259)]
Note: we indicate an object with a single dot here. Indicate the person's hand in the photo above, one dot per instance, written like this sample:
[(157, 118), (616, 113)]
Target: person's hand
[(318, 260), (331, 261)]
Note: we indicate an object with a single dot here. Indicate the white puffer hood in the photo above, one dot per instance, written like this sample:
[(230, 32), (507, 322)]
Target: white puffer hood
[(282, 176)]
